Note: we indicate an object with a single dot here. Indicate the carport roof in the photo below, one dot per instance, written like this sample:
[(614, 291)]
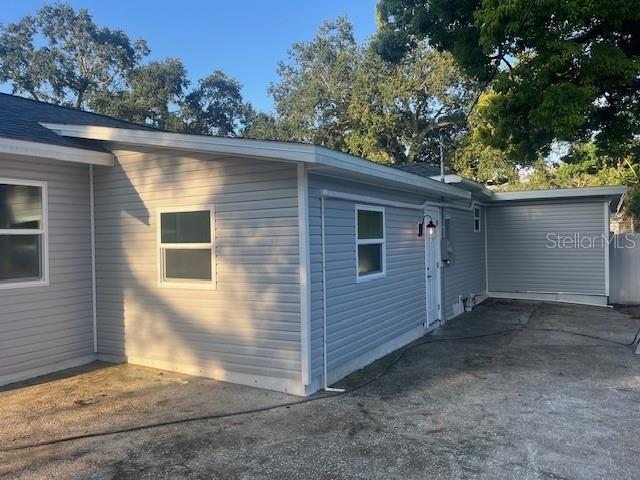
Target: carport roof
[(615, 194)]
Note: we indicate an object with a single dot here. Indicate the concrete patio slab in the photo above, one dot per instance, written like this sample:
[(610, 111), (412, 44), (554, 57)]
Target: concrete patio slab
[(524, 404)]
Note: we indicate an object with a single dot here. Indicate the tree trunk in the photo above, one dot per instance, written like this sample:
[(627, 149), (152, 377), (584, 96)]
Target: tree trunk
[(79, 99)]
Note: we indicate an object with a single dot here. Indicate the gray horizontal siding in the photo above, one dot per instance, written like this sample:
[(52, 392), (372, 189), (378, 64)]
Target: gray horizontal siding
[(250, 324), (625, 268), (362, 316), (41, 327), (519, 260), (466, 275)]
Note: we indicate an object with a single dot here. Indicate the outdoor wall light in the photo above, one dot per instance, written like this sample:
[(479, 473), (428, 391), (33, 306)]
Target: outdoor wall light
[(431, 227)]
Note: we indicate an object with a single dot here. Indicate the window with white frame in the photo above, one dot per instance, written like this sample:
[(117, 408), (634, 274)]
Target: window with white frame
[(23, 233), (477, 219), (370, 243), (187, 252)]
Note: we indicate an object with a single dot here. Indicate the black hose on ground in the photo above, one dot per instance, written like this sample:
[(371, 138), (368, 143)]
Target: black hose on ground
[(371, 380)]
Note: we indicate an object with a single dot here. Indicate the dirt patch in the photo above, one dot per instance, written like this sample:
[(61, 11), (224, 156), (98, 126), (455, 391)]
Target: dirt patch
[(631, 310)]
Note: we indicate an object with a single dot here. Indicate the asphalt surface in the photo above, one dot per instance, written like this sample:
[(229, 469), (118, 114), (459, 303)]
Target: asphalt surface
[(522, 405)]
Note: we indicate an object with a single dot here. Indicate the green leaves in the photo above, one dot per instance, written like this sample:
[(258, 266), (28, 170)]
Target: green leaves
[(336, 93), (215, 107), (562, 69), (83, 65), (78, 60)]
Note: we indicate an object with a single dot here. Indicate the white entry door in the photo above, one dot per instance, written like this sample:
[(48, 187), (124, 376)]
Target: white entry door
[(432, 264)]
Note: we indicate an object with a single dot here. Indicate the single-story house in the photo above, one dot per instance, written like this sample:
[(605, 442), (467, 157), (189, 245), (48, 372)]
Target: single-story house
[(279, 265)]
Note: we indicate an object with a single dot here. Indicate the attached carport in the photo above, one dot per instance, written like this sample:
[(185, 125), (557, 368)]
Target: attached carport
[(551, 244)]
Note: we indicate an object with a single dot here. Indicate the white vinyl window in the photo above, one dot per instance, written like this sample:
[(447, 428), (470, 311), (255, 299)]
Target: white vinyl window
[(477, 219), (370, 243), (186, 243), (23, 234)]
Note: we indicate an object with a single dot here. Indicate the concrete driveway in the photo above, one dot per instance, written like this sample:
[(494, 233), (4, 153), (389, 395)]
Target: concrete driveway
[(528, 404)]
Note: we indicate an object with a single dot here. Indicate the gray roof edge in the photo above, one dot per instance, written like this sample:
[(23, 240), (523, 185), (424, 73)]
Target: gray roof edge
[(557, 193), (286, 151)]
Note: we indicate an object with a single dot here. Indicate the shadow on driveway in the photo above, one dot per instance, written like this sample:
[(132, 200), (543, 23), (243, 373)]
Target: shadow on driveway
[(527, 404)]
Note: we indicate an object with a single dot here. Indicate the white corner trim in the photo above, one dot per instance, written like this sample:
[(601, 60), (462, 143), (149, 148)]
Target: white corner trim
[(607, 249), (305, 273), (10, 146), (93, 262), (486, 252)]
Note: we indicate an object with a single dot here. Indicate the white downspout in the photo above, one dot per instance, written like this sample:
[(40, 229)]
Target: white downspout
[(93, 261), (326, 387)]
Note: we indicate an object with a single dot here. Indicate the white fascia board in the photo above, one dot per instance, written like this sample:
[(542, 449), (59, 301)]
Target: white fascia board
[(560, 193), (344, 161), (448, 178), (295, 152), (195, 143), (10, 146), (452, 178)]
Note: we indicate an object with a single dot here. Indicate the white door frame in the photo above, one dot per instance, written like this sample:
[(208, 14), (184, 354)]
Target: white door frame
[(436, 214)]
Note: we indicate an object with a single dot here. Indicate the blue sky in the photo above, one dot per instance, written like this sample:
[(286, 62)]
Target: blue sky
[(245, 39)]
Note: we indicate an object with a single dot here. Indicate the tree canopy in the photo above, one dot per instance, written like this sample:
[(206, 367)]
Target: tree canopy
[(154, 90), (561, 70), (337, 93), (215, 107), (78, 59), (60, 55), (507, 81)]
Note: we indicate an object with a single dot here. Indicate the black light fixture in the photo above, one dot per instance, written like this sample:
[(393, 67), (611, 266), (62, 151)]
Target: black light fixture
[(431, 227)]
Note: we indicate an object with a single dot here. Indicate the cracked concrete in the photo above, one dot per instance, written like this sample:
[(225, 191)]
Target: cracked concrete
[(526, 405)]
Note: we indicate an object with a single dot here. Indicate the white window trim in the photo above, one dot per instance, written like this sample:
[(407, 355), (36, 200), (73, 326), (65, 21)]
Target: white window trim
[(477, 227), (162, 247), (44, 231), (371, 276)]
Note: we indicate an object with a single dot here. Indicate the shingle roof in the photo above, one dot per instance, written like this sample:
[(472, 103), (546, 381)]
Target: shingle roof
[(422, 168), (20, 120)]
